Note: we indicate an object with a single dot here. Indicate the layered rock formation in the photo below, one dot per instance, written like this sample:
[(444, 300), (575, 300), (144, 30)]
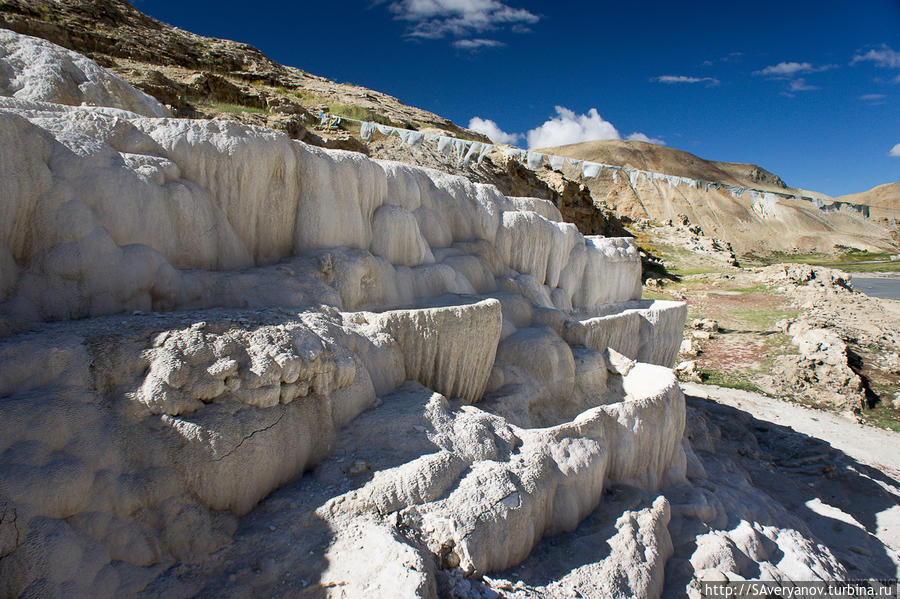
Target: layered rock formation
[(193, 314)]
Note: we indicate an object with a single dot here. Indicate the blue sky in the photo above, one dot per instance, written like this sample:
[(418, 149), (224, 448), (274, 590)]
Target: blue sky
[(808, 90)]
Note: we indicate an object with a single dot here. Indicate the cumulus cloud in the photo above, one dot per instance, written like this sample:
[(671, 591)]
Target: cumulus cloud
[(883, 56), (493, 131), (570, 128), (477, 44), (790, 69), (895, 151), (435, 19), (674, 79), (649, 140)]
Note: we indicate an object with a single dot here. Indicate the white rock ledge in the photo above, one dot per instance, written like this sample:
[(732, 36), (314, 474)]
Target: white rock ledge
[(195, 313)]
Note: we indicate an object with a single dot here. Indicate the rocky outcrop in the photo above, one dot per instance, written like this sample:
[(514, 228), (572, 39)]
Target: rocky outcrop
[(821, 371), (824, 370)]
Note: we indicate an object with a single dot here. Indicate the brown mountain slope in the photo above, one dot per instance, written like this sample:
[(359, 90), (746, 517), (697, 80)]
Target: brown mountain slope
[(663, 159), (882, 196), (883, 199), (750, 225)]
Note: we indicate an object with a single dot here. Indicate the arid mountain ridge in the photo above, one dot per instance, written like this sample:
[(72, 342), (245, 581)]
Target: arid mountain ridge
[(663, 159), (748, 223), (884, 200)]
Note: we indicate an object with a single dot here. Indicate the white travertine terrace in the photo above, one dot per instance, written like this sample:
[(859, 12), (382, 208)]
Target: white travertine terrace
[(195, 313)]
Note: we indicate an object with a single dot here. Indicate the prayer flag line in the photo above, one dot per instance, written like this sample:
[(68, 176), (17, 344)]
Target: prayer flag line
[(467, 150)]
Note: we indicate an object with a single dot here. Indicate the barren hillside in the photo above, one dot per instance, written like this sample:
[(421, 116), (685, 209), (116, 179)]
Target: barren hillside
[(662, 159), (882, 196), (883, 199), (748, 224)]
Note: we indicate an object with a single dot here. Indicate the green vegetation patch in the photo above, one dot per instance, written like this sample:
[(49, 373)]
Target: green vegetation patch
[(763, 318), (680, 262), (346, 110), (884, 417), (849, 259), (234, 108), (879, 267), (729, 379), (654, 295)]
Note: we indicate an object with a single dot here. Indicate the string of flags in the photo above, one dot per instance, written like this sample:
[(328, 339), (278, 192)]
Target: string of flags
[(466, 151)]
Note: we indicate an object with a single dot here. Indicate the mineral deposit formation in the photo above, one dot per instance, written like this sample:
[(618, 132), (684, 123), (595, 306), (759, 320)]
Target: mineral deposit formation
[(233, 364)]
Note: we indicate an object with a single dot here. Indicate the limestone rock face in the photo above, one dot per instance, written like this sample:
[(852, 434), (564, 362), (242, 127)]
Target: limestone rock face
[(117, 212), (450, 349), (35, 69)]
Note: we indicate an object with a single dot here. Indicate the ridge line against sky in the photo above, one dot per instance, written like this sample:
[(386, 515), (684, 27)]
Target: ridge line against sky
[(805, 89)]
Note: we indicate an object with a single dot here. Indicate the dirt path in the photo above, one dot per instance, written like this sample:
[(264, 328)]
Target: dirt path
[(866, 444), (864, 500)]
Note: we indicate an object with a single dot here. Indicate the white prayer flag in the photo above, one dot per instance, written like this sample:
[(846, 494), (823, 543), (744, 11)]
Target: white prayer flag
[(591, 170), (485, 150), (535, 160)]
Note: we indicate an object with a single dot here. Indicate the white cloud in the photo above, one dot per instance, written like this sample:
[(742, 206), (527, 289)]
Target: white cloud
[(435, 19), (493, 131), (673, 79), (789, 69), (477, 44), (563, 129), (800, 85), (650, 140), (872, 97), (884, 56), (895, 151), (571, 128)]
